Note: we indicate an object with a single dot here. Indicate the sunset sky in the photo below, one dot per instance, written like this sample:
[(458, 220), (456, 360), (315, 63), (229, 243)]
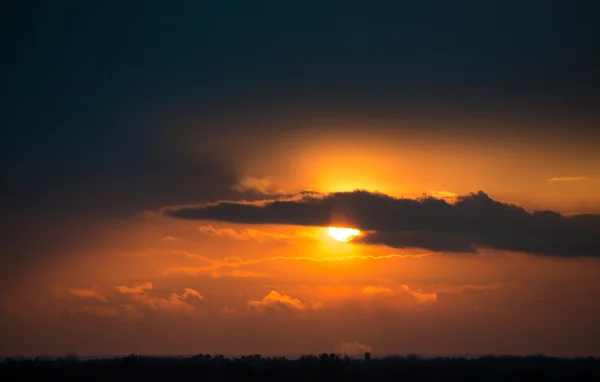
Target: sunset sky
[(170, 171)]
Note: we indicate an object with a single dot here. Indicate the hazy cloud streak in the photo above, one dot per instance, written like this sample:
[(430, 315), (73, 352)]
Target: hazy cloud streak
[(566, 179)]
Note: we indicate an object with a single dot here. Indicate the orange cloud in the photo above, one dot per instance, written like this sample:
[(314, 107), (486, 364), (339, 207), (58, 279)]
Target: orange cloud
[(278, 301), (250, 234), (173, 302), (187, 292), (396, 297), (88, 293), (559, 179), (188, 254), (393, 296), (170, 238), (369, 289), (136, 289), (239, 273), (141, 298), (420, 296), (214, 266)]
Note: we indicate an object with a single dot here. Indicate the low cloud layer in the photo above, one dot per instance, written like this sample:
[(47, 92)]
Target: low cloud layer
[(473, 221)]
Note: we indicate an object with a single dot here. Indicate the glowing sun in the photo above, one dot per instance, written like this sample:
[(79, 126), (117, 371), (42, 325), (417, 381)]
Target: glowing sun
[(343, 234)]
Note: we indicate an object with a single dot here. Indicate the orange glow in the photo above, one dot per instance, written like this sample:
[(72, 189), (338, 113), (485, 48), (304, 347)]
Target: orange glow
[(343, 234)]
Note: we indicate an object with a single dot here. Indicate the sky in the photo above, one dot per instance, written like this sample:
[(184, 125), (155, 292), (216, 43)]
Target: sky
[(170, 171)]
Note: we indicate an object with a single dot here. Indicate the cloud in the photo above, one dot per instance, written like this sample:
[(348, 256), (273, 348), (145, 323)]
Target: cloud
[(469, 288), (136, 289), (239, 273), (215, 268), (220, 268), (141, 299), (249, 234), (474, 221), (566, 179), (88, 293), (353, 348), (170, 303), (369, 289), (188, 254), (187, 292), (450, 196), (420, 296), (170, 238), (277, 301)]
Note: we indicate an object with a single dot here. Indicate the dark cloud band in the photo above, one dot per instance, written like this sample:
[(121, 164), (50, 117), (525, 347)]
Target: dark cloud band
[(473, 221)]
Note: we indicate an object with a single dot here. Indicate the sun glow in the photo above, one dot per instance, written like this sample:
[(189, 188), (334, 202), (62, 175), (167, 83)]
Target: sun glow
[(343, 234)]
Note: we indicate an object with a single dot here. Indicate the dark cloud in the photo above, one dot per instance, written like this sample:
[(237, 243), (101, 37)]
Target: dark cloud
[(474, 220)]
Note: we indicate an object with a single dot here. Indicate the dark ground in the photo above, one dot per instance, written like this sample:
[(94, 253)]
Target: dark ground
[(308, 368)]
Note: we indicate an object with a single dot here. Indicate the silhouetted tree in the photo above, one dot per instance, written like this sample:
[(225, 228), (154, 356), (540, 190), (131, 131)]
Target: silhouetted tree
[(327, 367)]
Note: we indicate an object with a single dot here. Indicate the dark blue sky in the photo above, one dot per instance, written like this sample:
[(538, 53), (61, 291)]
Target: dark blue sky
[(107, 58)]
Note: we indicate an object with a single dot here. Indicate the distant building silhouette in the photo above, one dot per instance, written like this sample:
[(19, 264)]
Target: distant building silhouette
[(367, 356)]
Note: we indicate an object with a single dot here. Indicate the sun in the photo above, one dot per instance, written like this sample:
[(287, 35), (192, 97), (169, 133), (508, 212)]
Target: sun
[(343, 234)]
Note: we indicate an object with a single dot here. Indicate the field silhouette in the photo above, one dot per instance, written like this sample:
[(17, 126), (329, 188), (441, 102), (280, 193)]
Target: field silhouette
[(325, 367)]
